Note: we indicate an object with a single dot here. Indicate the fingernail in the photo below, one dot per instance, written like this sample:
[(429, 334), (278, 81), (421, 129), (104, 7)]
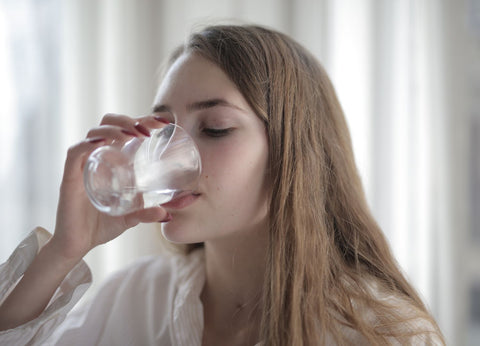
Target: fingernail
[(167, 218), (129, 133), (142, 129), (161, 119), (95, 140)]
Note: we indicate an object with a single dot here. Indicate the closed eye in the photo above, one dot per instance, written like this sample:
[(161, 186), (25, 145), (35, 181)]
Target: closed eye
[(212, 132)]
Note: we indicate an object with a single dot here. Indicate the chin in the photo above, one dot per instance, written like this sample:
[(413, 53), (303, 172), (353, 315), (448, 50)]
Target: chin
[(177, 234)]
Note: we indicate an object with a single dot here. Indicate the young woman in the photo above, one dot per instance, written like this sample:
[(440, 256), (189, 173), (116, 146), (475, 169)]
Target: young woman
[(279, 245)]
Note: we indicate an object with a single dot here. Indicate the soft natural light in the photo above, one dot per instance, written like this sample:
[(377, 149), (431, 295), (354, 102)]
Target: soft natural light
[(7, 106), (64, 64), (383, 78), (349, 64)]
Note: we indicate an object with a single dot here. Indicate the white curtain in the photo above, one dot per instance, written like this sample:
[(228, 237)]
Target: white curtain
[(63, 64)]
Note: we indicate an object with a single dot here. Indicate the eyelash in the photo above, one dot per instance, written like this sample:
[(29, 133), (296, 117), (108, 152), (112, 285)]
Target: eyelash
[(216, 133)]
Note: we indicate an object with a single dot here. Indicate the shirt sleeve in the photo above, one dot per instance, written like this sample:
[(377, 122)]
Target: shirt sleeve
[(64, 299)]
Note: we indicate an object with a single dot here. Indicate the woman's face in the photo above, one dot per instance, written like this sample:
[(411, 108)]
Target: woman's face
[(233, 145)]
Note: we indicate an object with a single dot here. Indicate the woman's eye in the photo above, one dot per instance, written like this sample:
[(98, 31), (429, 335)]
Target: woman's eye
[(211, 132)]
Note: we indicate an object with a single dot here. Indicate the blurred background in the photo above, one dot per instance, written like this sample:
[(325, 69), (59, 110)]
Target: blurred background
[(407, 73)]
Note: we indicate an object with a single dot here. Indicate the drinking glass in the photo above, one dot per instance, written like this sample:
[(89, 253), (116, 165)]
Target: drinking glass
[(143, 172)]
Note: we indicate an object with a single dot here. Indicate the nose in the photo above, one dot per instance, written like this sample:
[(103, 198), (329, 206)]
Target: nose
[(187, 126)]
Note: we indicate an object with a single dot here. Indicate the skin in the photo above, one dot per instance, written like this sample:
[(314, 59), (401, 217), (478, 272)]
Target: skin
[(79, 226), (228, 211), (232, 187)]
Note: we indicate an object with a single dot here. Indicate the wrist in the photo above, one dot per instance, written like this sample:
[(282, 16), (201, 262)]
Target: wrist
[(59, 256), (32, 293)]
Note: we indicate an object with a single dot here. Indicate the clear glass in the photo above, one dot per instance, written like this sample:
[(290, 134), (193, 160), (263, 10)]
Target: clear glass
[(143, 172)]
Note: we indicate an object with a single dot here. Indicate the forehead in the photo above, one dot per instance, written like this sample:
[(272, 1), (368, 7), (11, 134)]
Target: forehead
[(194, 77)]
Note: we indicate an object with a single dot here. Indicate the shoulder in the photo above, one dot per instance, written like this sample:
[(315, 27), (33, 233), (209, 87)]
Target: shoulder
[(138, 298), (409, 323), (394, 316), (158, 271), (133, 304), (160, 274)]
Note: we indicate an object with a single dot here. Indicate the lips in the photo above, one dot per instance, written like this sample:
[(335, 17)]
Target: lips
[(181, 201)]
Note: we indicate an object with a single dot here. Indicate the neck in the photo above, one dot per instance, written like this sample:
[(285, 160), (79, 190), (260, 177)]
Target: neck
[(232, 294)]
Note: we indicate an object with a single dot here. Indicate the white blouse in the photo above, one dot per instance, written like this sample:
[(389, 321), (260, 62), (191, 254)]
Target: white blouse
[(155, 301)]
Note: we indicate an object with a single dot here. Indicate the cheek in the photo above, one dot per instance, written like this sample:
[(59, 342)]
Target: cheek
[(235, 197), (234, 176), (233, 164)]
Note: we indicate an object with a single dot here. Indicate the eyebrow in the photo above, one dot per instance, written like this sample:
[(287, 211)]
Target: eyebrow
[(199, 105)]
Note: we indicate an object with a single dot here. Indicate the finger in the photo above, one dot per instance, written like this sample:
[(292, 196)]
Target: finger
[(112, 132), (124, 122), (140, 125), (153, 214), (118, 120), (157, 119), (154, 121), (77, 155)]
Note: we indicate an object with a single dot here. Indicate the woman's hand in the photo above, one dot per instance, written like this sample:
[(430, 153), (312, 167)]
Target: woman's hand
[(80, 226)]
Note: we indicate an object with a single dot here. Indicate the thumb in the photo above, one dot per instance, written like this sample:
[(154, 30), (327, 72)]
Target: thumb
[(153, 214)]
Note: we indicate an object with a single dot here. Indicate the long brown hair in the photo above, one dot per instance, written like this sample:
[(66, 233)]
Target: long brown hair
[(330, 269)]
